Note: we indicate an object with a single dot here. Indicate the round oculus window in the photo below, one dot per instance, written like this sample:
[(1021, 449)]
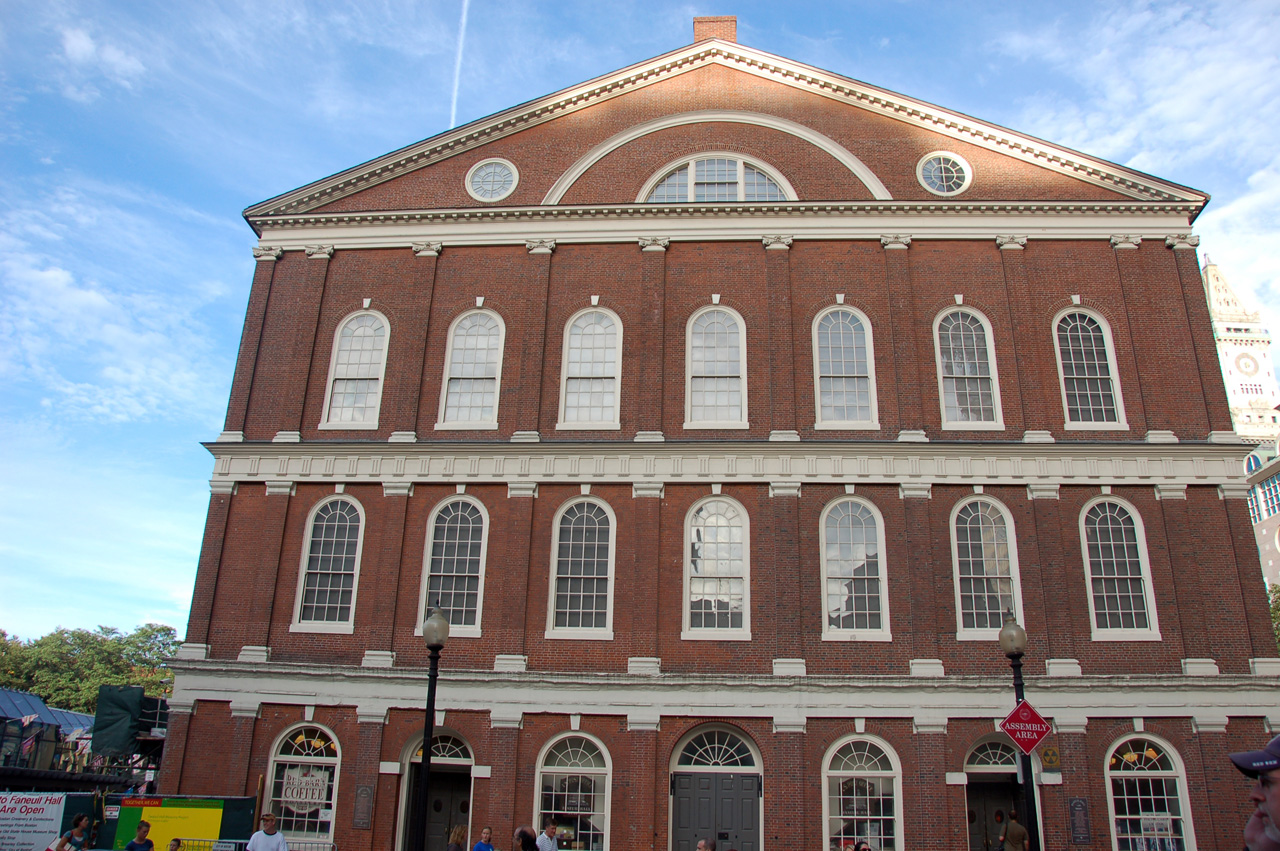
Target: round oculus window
[(492, 180), (944, 173)]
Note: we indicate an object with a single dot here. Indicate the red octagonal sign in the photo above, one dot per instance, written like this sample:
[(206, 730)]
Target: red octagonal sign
[(1026, 727)]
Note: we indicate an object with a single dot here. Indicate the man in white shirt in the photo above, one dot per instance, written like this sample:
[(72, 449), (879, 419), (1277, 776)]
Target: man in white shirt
[(547, 839), (267, 839)]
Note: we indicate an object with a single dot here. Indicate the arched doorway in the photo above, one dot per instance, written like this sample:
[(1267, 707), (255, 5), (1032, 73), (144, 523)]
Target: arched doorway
[(992, 790), (449, 803), (716, 790)]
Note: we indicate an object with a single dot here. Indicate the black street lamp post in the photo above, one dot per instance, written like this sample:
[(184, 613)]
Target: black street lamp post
[(1013, 641), (435, 632)]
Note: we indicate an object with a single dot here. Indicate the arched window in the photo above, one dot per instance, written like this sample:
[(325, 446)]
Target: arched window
[(864, 786), (356, 369), (1148, 800), (992, 757), (582, 571), (844, 373), (717, 571), (589, 385), (455, 560), (304, 783), (1119, 574), (330, 568), (473, 371), (1087, 367), (967, 371), (986, 568), (716, 394), (716, 749), (855, 600), (573, 791), (716, 178)]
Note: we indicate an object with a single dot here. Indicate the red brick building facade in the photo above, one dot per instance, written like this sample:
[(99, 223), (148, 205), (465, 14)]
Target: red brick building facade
[(726, 405)]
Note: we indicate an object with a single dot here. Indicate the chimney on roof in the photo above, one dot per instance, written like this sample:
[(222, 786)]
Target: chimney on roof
[(724, 27)]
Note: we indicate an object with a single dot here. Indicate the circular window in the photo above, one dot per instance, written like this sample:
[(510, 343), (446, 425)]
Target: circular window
[(492, 180), (944, 173)]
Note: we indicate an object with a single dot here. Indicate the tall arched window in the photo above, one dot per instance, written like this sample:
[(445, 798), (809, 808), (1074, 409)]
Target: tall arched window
[(574, 776), (473, 372), (716, 178), (967, 377), (582, 571), (304, 783), (590, 376), (1087, 366), (716, 394), (986, 568), (855, 599), (455, 560), (1148, 800), (330, 568), (1119, 574), (356, 368), (844, 370), (717, 571), (864, 785)]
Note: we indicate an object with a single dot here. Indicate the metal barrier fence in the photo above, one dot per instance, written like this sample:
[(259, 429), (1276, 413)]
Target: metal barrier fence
[(239, 845)]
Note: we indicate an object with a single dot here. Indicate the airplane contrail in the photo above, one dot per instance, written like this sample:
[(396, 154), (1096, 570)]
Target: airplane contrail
[(457, 65)]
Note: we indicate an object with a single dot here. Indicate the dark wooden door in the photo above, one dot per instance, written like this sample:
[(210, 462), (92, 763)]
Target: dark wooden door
[(448, 804), (989, 806), (723, 806)]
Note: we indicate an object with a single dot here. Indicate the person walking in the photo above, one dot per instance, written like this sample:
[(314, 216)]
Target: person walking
[(77, 837), (1015, 837)]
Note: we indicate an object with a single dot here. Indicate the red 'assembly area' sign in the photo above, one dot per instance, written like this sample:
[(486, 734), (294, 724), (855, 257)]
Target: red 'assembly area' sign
[(1026, 727)]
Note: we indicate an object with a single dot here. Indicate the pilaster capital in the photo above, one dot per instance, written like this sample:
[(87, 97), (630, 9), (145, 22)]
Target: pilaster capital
[(319, 252), (915, 490), (1042, 490), (776, 243), (540, 246), (428, 249), (777, 489), (524, 489), (1125, 240), (896, 240), (1234, 490), (647, 490), (1182, 240), (280, 488), (267, 253), (654, 243), (1013, 243), (397, 488)]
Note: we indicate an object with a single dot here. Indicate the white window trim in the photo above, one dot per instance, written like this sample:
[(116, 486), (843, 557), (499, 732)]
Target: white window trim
[(1152, 633), (968, 173), (608, 785), (348, 627), (337, 771), (515, 179), (615, 423), (743, 159), (830, 633), (479, 425), (1180, 769), (1015, 578), (820, 424), (968, 425), (713, 425), (1122, 422), (587, 633), (674, 766), (688, 633), (454, 631), (333, 363), (897, 784)]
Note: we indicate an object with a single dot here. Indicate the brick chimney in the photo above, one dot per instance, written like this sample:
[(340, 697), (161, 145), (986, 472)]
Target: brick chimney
[(724, 27)]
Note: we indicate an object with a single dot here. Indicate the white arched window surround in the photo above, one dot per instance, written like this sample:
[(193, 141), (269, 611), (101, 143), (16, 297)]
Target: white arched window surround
[(871, 424), (338, 627), (1152, 633), (553, 631), (1121, 423), (757, 766), (688, 160), (476, 425), (830, 633), (992, 633), (455, 630), (334, 763), (1179, 774), (968, 425), (607, 807), (688, 633), (613, 422), (828, 816), (689, 423), (411, 761), (333, 366)]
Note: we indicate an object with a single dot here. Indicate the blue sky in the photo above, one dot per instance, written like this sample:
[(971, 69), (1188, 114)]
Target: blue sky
[(133, 134)]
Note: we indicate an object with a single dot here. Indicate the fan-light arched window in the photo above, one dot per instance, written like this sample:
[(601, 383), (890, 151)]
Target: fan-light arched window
[(1087, 366), (716, 394), (717, 571), (992, 756), (1119, 574), (473, 372), (455, 559), (844, 370), (356, 368), (716, 749), (716, 178), (855, 599), (967, 381), (330, 568), (863, 786), (304, 783), (986, 568), (582, 571), (589, 392), (1148, 797), (573, 791)]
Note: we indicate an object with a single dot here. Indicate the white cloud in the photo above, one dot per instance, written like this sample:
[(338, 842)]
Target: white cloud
[(87, 59)]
